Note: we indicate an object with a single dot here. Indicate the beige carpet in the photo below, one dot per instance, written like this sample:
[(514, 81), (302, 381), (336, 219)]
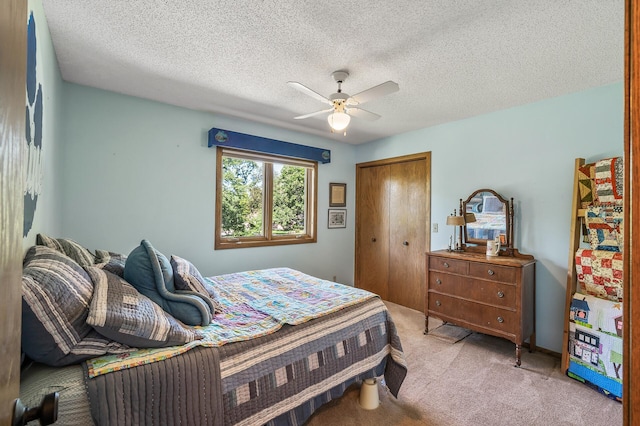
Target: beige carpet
[(473, 382)]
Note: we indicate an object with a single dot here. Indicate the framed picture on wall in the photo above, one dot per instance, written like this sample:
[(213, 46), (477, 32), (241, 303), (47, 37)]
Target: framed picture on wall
[(337, 195), (337, 218)]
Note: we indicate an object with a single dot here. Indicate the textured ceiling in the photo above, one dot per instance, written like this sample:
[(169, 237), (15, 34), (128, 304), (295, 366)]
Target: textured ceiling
[(453, 59)]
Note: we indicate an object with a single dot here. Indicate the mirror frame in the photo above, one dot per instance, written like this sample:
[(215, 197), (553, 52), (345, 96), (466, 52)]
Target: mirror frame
[(506, 248)]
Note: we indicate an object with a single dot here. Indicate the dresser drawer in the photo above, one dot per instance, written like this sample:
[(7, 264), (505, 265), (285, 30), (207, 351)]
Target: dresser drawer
[(451, 308), (448, 265), (494, 293), (487, 271)]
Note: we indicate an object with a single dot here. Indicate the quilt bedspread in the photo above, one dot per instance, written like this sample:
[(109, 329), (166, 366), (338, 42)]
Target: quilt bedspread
[(255, 303), (277, 379)]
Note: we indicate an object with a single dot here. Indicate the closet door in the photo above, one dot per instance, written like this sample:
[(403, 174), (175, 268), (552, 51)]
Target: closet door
[(407, 233), (392, 221), (372, 229)]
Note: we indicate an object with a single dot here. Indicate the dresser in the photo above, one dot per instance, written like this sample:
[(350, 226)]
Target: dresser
[(491, 295)]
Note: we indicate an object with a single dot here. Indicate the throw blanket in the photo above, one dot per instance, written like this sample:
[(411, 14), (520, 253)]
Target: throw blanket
[(256, 303)]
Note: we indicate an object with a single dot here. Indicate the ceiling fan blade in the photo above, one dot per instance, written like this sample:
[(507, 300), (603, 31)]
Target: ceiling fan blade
[(304, 89), (362, 113), (375, 92), (313, 113)]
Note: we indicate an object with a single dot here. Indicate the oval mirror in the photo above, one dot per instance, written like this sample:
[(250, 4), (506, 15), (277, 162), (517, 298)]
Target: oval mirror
[(488, 216)]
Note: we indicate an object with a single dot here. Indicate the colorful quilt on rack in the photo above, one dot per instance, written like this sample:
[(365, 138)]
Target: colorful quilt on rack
[(586, 184), (595, 342), (609, 177), (601, 183), (600, 273), (604, 224)]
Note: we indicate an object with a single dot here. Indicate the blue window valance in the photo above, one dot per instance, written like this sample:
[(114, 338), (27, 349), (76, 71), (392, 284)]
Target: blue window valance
[(219, 137)]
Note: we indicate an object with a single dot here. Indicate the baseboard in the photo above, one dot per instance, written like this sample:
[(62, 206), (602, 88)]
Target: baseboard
[(544, 350)]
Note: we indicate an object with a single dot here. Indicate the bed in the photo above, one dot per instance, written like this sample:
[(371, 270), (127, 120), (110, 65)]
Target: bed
[(279, 345)]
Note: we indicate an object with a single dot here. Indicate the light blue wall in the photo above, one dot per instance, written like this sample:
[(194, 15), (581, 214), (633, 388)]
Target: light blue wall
[(48, 212), (137, 169), (118, 169), (526, 153)]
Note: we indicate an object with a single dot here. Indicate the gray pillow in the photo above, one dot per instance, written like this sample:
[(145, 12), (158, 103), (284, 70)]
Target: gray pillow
[(74, 250), (187, 277), (122, 314), (56, 293)]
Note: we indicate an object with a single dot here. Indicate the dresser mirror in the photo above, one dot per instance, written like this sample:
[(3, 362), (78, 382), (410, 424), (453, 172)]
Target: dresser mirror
[(487, 216)]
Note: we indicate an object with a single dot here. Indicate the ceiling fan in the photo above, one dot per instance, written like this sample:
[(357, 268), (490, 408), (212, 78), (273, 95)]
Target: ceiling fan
[(343, 106)]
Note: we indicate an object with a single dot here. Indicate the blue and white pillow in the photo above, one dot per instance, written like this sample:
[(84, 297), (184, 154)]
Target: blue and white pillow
[(56, 293), (187, 277), (122, 314)]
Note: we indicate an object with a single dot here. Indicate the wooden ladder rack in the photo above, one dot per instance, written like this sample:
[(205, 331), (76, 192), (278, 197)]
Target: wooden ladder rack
[(577, 216)]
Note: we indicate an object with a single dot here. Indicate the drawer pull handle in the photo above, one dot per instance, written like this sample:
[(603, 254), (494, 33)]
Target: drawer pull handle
[(373, 240), (500, 319), (438, 303), (405, 243), (500, 294), (445, 264), (438, 281), (490, 272)]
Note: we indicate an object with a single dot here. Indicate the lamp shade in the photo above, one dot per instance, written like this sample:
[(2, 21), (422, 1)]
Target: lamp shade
[(338, 120), (469, 217), (455, 220)]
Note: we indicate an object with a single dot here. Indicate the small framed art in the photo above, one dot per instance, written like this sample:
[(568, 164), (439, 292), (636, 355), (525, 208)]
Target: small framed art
[(337, 218), (337, 195)]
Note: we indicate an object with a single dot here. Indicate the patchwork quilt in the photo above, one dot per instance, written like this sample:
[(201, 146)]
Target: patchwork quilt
[(595, 342), (604, 224), (255, 303), (600, 273), (595, 326), (609, 180), (254, 366)]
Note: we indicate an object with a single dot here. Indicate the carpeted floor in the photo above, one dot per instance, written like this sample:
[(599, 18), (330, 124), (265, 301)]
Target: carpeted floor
[(472, 382)]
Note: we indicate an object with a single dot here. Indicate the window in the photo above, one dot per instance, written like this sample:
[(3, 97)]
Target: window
[(264, 200)]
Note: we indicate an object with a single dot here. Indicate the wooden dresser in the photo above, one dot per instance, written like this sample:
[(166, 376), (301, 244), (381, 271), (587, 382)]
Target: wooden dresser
[(492, 295)]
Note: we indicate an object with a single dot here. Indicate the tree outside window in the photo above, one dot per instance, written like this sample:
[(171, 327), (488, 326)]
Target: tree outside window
[(264, 200)]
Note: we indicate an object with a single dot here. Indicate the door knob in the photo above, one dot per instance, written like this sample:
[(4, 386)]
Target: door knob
[(405, 243), (47, 412)]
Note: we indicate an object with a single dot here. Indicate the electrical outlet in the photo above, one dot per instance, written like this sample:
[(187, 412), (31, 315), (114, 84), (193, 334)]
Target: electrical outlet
[(435, 227)]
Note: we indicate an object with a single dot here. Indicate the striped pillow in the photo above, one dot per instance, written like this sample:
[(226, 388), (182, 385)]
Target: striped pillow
[(122, 314), (187, 277), (112, 262), (56, 293), (75, 251)]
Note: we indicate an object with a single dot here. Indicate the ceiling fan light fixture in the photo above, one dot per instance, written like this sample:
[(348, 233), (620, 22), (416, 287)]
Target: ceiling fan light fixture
[(338, 120)]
